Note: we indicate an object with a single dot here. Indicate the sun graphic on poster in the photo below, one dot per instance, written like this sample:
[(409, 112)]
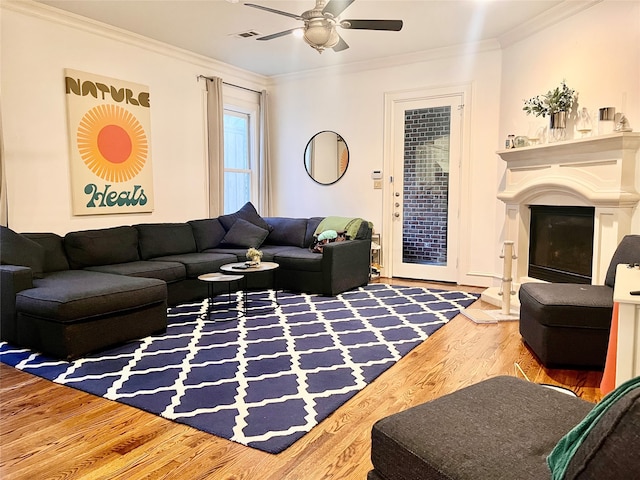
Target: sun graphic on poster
[(112, 143)]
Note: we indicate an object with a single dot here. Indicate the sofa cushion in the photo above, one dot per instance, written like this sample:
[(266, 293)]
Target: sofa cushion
[(208, 233), (606, 444), (54, 257), (303, 259), (287, 231), (72, 295), (248, 212), (169, 272), (16, 249), (199, 263), (160, 239), (312, 224), (269, 252), (503, 427), (245, 234), (105, 246), (628, 251)]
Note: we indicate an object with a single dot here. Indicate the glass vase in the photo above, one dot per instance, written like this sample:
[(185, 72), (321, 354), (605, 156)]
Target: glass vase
[(584, 124), (557, 127)]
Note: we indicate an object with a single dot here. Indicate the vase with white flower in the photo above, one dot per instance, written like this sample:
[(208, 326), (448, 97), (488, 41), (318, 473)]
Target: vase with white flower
[(254, 256), (557, 104)]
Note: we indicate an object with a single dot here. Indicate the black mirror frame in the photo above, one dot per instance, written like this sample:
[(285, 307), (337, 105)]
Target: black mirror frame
[(304, 157)]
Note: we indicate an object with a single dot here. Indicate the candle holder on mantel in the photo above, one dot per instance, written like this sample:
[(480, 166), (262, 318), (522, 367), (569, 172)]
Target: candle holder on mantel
[(506, 290)]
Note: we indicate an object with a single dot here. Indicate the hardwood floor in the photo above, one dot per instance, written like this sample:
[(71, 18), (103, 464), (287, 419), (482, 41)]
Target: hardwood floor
[(49, 431)]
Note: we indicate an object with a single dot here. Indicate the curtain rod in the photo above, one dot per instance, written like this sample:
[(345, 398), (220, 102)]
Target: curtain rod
[(231, 84)]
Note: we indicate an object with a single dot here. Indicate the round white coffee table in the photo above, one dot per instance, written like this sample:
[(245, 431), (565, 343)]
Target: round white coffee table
[(211, 279)]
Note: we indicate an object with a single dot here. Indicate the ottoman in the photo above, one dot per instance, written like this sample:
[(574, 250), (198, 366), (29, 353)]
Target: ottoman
[(500, 428), (566, 324)]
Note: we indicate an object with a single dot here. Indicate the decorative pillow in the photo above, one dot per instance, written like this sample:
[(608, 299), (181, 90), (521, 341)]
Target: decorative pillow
[(16, 249), (208, 233), (249, 213), (244, 234), (55, 259)]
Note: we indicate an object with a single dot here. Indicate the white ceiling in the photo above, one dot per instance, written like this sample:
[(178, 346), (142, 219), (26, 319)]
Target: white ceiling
[(207, 27)]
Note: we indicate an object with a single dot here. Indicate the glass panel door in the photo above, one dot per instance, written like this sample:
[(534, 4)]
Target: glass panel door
[(426, 154)]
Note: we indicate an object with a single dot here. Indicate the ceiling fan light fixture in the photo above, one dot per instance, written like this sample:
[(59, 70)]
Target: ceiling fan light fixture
[(320, 24), (320, 34)]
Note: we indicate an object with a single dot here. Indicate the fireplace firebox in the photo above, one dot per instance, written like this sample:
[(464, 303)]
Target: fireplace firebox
[(561, 243)]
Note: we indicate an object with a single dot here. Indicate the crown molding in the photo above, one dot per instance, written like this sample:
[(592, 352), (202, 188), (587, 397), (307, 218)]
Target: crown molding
[(395, 61), (546, 19), (38, 10)]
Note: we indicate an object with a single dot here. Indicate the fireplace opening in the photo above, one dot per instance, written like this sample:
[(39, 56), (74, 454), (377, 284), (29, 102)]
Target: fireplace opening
[(561, 244)]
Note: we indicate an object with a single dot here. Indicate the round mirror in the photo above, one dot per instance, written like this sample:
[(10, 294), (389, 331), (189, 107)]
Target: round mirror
[(326, 157)]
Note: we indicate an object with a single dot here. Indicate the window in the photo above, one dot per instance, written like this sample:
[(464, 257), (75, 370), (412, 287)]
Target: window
[(238, 160)]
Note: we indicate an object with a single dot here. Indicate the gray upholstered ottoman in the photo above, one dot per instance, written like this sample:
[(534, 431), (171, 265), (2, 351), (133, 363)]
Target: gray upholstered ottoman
[(501, 428), (504, 428), (566, 324)]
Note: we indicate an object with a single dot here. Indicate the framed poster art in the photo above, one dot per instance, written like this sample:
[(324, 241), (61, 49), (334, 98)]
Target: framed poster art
[(110, 152)]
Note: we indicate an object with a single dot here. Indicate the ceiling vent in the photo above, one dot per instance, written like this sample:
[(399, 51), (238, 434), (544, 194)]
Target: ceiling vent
[(246, 34)]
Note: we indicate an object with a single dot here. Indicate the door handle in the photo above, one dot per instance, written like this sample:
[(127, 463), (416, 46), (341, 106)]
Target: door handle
[(396, 214)]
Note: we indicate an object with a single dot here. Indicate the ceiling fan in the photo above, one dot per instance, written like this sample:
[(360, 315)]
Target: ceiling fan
[(321, 21)]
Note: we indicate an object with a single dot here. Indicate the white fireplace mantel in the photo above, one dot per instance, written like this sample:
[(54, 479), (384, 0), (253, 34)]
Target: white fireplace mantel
[(597, 171)]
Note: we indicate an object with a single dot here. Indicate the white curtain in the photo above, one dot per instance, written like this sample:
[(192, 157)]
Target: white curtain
[(264, 160), (215, 130)]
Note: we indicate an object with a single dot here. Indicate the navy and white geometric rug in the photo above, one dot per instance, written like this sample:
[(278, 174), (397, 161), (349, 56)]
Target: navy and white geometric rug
[(266, 379)]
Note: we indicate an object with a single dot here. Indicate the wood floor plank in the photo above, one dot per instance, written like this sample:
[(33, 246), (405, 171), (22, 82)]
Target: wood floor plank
[(49, 431)]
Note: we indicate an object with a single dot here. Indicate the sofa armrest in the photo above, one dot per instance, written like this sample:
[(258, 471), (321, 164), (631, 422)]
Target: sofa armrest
[(13, 279), (345, 265)]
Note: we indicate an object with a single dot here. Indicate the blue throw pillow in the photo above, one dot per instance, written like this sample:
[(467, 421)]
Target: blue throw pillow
[(16, 249), (249, 213), (208, 233), (244, 234)]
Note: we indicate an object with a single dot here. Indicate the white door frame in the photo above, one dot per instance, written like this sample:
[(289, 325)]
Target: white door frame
[(391, 99)]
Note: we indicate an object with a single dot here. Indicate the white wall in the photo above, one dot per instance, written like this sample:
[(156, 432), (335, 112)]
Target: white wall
[(35, 50), (596, 51), (352, 104)]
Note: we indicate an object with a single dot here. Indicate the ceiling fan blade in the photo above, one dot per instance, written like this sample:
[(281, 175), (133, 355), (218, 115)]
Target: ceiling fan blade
[(273, 10), (276, 35), (341, 45), (392, 25), (336, 7)]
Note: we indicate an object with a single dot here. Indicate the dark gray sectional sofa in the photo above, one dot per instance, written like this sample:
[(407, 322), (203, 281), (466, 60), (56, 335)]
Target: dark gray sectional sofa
[(95, 288)]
